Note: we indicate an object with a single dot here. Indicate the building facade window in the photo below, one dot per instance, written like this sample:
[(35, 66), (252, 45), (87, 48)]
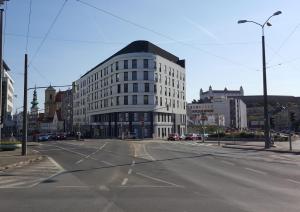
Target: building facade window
[(146, 75), (125, 76), (125, 64), (125, 100), (119, 88), (147, 87), (134, 75), (145, 63), (117, 77), (135, 87), (134, 63), (125, 88), (134, 99), (117, 101), (117, 65), (146, 100)]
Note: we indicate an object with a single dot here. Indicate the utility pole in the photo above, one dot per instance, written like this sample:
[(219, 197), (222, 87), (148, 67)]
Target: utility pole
[(1, 68), (24, 140), (266, 113)]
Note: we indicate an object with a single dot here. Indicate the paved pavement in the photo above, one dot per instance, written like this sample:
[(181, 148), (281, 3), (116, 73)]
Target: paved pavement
[(280, 147), (29, 175), (13, 158), (113, 175)]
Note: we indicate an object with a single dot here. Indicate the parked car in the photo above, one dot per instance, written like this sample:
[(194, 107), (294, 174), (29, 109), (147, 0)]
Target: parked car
[(51, 136), (132, 135), (182, 137), (199, 137), (61, 136), (43, 138), (191, 136), (173, 137)]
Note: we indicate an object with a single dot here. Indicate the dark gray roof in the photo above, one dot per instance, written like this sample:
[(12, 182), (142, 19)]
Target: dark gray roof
[(143, 46), (5, 66)]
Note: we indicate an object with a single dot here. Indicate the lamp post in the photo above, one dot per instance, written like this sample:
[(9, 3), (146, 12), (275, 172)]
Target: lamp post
[(266, 116)]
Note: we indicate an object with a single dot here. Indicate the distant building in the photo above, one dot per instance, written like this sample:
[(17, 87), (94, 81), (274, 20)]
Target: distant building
[(222, 111), (67, 110), (255, 111), (210, 94), (7, 101), (51, 120), (33, 124)]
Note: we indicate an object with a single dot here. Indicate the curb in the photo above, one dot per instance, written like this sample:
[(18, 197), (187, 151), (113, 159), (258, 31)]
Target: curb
[(22, 163), (263, 149)]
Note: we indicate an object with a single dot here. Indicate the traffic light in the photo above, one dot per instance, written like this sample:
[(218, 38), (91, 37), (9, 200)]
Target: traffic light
[(272, 123), (292, 117)]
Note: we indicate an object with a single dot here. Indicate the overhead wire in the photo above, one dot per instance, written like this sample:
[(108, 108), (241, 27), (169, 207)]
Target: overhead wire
[(4, 30), (162, 35), (285, 40), (28, 26), (120, 42), (48, 31)]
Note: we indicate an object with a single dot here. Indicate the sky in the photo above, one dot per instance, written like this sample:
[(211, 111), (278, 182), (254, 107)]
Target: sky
[(218, 51)]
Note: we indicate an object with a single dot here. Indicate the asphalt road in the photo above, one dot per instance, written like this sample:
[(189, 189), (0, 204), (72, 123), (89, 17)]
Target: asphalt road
[(112, 175)]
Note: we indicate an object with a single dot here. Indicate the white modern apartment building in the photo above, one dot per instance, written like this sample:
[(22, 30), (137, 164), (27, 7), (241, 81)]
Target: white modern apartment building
[(8, 93), (140, 90), (7, 101)]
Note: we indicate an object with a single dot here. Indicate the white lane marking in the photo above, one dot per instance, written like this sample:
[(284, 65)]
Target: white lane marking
[(13, 185), (256, 171), (125, 180), (56, 164), (133, 162), (227, 162), (77, 153), (147, 186), (293, 181), (103, 188), (107, 163), (8, 181), (72, 186), (129, 171), (147, 153), (159, 180), (79, 161)]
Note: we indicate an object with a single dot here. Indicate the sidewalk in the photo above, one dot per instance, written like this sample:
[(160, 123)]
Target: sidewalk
[(280, 147), (10, 159)]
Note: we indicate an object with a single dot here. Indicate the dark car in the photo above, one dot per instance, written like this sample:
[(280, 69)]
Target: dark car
[(61, 136), (131, 135), (191, 137), (173, 137), (43, 138)]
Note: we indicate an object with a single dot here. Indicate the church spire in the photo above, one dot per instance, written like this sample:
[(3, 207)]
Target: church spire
[(34, 103)]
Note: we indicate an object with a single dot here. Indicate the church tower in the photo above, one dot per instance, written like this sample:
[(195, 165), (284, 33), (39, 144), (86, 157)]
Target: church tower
[(34, 104), (50, 106)]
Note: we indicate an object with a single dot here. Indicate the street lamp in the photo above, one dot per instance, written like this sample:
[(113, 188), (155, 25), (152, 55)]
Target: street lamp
[(266, 116)]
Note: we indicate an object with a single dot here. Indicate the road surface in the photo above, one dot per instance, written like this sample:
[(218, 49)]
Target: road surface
[(142, 176)]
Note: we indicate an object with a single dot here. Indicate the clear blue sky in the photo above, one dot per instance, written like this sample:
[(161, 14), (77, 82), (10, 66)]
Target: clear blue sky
[(83, 37)]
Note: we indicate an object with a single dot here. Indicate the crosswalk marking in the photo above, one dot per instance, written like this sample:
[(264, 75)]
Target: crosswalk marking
[(29, 175)]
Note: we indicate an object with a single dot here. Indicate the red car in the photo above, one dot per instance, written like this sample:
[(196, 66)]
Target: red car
[(173, 137), (191, 136)]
